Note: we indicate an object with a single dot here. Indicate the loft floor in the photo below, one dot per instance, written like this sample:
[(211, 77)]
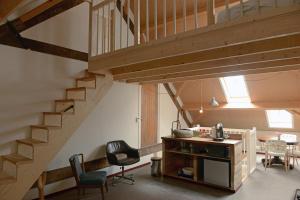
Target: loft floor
[(275, 184)]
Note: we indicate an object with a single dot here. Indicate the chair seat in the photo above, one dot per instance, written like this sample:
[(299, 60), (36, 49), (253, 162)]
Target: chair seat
[(128, 161), (93, 178)]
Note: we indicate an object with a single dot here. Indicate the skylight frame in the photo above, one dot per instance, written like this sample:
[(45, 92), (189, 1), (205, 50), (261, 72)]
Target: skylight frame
[(278, 125), (235, 100)]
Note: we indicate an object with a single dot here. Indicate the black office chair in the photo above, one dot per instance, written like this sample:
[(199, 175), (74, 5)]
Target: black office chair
[(121, 154)]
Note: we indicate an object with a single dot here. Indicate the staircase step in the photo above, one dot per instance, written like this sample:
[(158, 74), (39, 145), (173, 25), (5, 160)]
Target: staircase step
[(78, 93), (89, 78), (6, 179), (76, 89), (65, 105), (57, 113), (64, 101), (88, 82), (17, 159), (31, 142), (93, 74), (46, 127)]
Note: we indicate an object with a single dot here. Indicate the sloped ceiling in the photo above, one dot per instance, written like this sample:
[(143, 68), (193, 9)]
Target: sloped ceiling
[(271, 87)]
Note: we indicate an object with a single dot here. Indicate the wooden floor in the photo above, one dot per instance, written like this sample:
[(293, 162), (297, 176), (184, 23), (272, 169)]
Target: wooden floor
[(275, 184)]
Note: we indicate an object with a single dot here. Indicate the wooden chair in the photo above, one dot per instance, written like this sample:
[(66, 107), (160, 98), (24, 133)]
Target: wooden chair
[(95, 179), (276, 148)]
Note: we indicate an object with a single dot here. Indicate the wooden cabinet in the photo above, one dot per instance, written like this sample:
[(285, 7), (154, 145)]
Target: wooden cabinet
[(193, 152)]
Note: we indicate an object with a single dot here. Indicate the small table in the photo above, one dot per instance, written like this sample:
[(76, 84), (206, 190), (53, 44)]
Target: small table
[(276, 159)]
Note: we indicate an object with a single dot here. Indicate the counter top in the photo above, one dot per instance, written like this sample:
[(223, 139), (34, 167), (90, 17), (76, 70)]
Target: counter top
[(203, 140)]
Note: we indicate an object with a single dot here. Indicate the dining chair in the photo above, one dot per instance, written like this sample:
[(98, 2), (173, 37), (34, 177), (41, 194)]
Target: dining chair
[(276, 148), (292, 149), (94, 179)]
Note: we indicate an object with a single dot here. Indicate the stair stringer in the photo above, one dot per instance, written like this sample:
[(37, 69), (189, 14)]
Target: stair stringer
[(44, 154)]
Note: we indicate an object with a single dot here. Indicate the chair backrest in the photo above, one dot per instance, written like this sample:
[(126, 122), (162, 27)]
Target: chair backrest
[(77, 167), (116, 147), (276, 146)]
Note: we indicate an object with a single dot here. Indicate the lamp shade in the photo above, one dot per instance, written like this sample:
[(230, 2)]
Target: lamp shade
[(214, 102)]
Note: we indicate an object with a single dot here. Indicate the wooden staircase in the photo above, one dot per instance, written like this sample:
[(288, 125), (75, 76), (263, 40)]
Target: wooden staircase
[(21, 169)]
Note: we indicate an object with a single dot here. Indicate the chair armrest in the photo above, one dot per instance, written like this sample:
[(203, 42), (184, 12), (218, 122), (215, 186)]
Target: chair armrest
[(133, 153), (112, 158)]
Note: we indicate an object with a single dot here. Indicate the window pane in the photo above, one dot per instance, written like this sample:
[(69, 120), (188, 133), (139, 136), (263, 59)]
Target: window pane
[(279, 119), (235, 89)]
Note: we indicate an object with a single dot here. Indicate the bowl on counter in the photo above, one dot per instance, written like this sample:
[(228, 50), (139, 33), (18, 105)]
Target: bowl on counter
[(189, 171)]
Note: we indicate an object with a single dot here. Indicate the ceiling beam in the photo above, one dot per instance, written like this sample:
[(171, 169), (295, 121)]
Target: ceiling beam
[(270, 44), (177, 104), (254, 67), (7, 7), (227, 73), (222, 62), (39, 9), (189, 46), (43, 13), (253, 106)]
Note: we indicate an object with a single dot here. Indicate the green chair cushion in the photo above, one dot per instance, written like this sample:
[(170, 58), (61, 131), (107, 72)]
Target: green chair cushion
[(93, 178)]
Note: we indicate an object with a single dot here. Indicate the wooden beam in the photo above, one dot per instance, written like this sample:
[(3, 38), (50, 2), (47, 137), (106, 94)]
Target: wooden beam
[(41, 185), (281, 63), (38, 10), (222, 62), (30, 21), (177, 104), (270, 44), (227, 73), (47, 48), (254, 105), (187, 45), (7, 7)]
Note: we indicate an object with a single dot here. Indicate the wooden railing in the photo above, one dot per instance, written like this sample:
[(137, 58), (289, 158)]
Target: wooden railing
[(117, 24)]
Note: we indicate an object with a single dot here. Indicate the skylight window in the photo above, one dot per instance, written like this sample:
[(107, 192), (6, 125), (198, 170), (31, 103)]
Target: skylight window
[(279, 119), (235, 89)]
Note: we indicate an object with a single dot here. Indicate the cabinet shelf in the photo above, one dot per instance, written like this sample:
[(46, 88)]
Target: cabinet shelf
[(201, 182), (200, 155)]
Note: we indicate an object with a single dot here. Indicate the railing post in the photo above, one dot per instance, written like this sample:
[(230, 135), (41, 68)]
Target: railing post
[(155, 19), (210, 12), (90, 27), (165, 17), (128, 22), (174, 16), (137, 22), (196, 13), (147, 20)]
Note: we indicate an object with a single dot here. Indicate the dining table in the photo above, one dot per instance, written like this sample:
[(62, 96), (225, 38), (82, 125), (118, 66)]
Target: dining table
[(291, 143)]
